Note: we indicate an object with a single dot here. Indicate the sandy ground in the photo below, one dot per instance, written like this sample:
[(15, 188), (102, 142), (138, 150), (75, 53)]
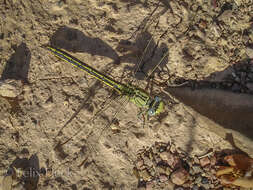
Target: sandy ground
[(200, 37)]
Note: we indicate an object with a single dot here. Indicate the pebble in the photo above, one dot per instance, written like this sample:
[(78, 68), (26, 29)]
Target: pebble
[(196, 160), (171, 160), (10, 88), (170, 185), (139, 164), (144, 174), (198, 180), (213, 160), (149, 185), (147, 161), (197, 169), (163, 178), (179, 176), (204, 161), (173, 148), (204, 180)]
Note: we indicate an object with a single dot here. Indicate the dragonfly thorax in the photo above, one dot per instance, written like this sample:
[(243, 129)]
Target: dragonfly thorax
[(142, 100)]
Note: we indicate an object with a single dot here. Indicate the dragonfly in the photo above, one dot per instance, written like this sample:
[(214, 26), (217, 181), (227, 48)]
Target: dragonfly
[(149, 106)]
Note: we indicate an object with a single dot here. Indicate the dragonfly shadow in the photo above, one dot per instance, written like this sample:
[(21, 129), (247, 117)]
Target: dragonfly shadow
[(224, 97), (17, 66), (74, 40), (148, 52)]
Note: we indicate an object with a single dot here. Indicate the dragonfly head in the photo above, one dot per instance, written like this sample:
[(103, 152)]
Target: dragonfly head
[(156, 106)]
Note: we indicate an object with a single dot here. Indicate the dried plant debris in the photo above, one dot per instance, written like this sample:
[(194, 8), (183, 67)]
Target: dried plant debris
[(164, 166)]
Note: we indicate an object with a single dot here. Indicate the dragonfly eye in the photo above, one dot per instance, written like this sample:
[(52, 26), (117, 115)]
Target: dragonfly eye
[(156, 106), (151, 112)]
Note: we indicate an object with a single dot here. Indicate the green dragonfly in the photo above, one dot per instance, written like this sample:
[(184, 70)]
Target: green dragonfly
[(150, 106)]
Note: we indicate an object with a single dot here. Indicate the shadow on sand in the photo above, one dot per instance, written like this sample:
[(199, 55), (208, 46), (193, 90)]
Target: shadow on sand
[(148, 52), (17, 66), (225, 97), (74, 40), (25, 170)]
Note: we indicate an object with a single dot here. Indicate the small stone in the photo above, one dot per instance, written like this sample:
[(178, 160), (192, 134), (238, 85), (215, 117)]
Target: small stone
[(213, 160), (179, 176), (144, 174), (163, 178), (171, 159), (211, 186), (168, 171), (187, 184), (170, 185), (10, 88), (161, 170), (195, 187), (147, 161), (139, 164), (207, 168), (152, 172), (204, 180), (173, 148), (149, 185), (213, 171), (197, 169), (204, 161), (198, 180), (196, 160)]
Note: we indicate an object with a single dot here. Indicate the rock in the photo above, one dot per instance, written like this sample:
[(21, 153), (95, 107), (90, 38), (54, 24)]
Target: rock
[(173, 148), (196, 160), (198, 180), (249, 52), (213, 160), (10, 88), (204, 180), (147, 161), (197, 169), (171, 159), (164, 170), (144, 174), (149, 185), (161, 170), (180, 176), (170, 185), (140, 164), (163, 178), (204, 161)]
